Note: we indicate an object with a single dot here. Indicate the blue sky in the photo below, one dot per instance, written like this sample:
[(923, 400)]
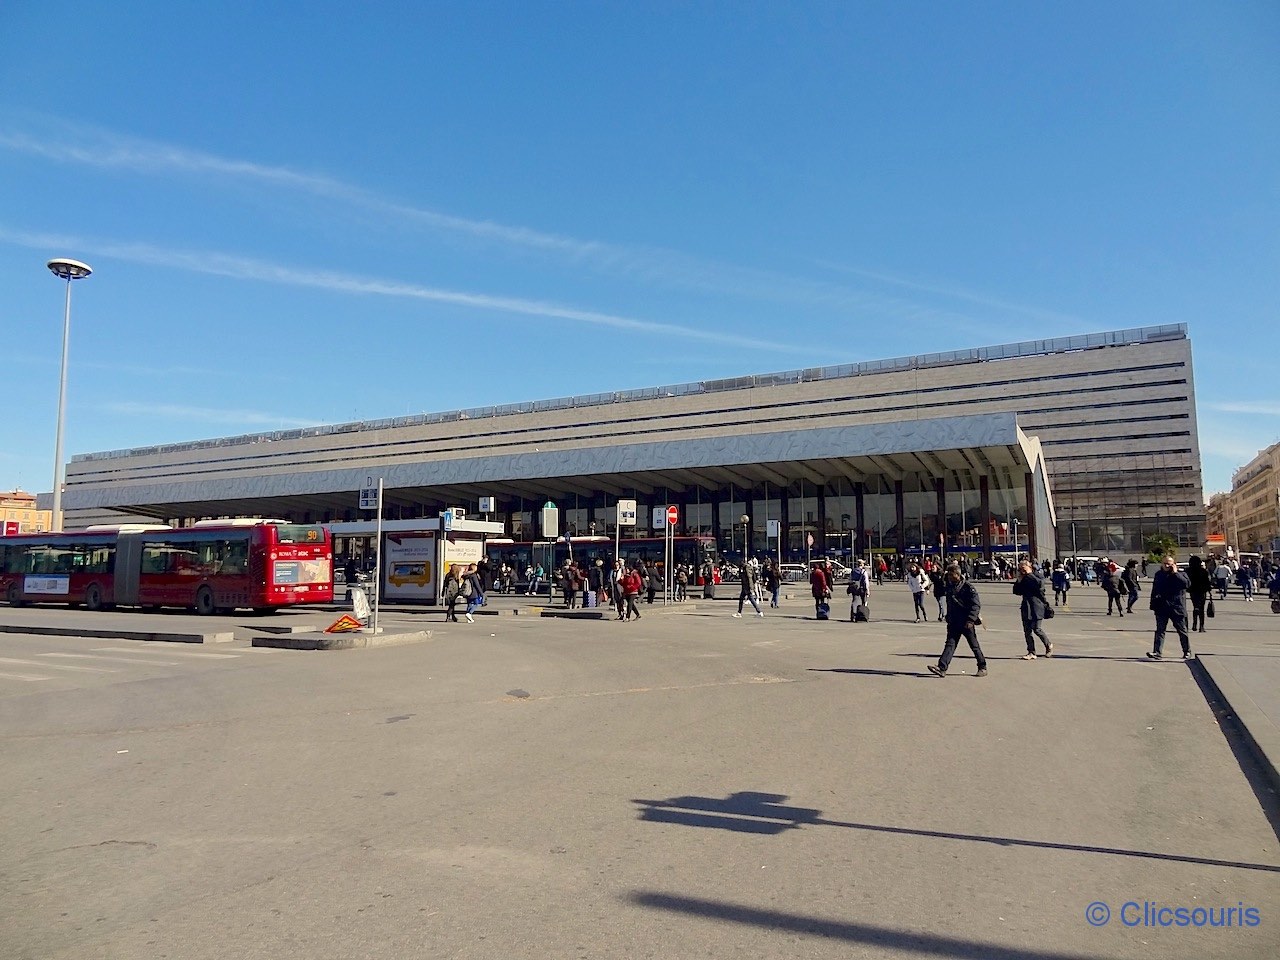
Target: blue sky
[(302, 214)]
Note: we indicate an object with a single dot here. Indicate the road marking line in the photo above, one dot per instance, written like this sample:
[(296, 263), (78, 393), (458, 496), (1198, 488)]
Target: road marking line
[(21, 676), (170, 653), (57, 666), (90, 656)]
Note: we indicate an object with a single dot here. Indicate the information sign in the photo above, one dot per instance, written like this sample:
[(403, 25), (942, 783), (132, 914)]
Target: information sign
[(626, 513)]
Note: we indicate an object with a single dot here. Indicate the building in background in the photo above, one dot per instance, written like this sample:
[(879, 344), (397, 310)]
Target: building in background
[(1251, 511), (888, 454), (20, 513)]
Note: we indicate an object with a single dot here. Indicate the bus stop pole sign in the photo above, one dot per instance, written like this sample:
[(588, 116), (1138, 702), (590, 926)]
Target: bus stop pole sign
[(369, 495)]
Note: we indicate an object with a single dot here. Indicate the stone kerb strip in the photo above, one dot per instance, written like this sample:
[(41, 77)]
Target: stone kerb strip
[(149, 635)]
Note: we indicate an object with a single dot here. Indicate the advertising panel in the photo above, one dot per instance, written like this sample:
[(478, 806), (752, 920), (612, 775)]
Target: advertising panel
[(409, 566), (50, 586), (462, 552)]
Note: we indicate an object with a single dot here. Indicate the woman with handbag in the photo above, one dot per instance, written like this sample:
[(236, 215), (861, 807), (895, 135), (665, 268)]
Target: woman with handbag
[(1199, 587), (1035, 608)]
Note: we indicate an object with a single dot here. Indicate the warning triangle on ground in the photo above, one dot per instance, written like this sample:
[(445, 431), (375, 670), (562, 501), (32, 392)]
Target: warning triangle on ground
[(344, 624)]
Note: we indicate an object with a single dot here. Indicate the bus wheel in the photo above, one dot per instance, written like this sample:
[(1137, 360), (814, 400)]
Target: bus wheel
[(93, 597), (204, 602), (14, 595)]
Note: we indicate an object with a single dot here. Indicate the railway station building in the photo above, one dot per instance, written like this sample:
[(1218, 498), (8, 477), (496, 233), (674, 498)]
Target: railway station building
[(1082, 444)]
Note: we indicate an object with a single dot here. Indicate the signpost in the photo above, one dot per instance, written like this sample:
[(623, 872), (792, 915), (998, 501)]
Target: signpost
[(626, 518), (672, 517), (773, 528), (371, 499)]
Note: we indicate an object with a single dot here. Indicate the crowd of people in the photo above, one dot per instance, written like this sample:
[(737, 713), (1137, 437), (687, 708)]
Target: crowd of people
[(625, 586)]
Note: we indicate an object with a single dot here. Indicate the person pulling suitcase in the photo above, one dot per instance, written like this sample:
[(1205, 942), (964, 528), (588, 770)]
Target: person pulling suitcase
[(859, 591)]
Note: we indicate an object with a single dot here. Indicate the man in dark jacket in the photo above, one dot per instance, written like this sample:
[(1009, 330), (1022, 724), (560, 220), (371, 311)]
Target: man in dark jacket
[(1110, 581), (964, 610), (1169, 601), (747, 577), (1031, 589)]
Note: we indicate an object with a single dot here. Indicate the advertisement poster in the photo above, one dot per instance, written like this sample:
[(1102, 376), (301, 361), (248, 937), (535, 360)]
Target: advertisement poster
[(409, 566), (49, 586), (462, 552)]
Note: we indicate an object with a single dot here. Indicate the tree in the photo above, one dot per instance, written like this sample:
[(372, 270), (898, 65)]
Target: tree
[(1159, 544)]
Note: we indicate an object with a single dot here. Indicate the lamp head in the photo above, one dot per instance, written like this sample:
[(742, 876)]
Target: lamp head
[(65, 269)]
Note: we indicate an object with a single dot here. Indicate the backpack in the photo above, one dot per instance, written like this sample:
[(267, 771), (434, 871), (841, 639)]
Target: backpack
[(468, 588), (450, 589)]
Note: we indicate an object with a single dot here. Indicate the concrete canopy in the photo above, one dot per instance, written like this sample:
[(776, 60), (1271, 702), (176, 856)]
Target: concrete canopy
[(961, 447)]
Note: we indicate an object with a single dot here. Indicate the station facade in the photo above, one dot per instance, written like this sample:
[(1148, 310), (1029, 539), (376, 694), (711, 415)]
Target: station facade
[(1080, 444)]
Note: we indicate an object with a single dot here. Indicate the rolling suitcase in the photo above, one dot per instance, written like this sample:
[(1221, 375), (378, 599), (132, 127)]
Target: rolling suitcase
[(824, 611), (861, 614)]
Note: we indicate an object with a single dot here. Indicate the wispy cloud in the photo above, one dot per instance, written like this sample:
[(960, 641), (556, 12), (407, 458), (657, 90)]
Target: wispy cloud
[(953, 293), (1263, 408), (249, 418), (104, 149), (108, 150), (245, 268)]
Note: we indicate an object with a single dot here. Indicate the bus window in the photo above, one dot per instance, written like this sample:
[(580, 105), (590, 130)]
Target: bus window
[(233, 556), (155, 557)]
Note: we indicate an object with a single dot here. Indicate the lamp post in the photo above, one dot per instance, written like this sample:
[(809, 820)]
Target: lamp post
[(746, 547), (67, 270)]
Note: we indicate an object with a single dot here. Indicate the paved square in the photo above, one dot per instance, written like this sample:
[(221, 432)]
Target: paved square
[(688, 785)]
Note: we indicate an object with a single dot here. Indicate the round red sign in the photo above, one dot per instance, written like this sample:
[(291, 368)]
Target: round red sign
[(673, 514)]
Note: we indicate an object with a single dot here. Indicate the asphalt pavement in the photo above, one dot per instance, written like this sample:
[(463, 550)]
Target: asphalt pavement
[(687, 785)]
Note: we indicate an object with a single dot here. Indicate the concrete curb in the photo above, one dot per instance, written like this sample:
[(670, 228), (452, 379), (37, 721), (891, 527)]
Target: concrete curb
[(150, 635), (318, 640), (1261, 735)]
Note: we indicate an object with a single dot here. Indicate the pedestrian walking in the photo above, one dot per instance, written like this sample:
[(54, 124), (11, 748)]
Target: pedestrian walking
[(859, 589), (472, 591), (450, 592), (632, 584), (1222, 576), (1035, 606), (747, 578), (917, 583), (1061, 584), (1110, 582), (820, 587), (938, 582), (1244, 577), (964, 616), (773, 582), (1199, 586), (1169, 603), (1129, 583)]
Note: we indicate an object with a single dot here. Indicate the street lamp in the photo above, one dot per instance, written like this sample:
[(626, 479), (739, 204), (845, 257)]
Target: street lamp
[(67, 270), (746, 547)]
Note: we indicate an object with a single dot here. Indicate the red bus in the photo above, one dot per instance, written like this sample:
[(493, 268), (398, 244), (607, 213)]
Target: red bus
[(214, 566)]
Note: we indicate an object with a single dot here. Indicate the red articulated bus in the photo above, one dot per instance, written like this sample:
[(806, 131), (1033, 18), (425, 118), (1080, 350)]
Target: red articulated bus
[(215, 566)]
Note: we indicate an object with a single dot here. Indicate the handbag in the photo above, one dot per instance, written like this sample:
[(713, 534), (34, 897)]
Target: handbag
[(1208, 609), (1049, 613)]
